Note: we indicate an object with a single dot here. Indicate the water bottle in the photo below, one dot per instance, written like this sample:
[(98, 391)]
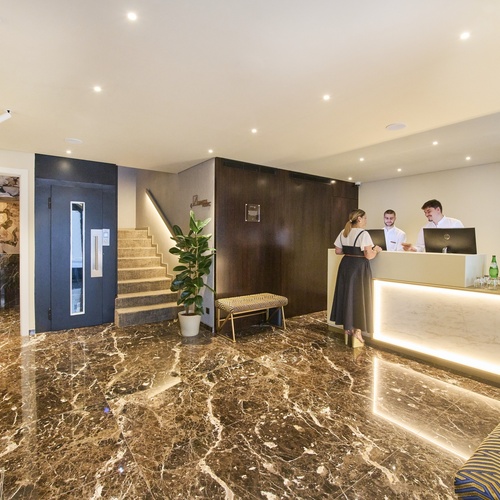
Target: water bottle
[(494, 267)]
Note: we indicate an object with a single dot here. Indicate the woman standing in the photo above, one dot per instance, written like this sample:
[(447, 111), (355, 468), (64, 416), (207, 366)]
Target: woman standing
[(352, 302)]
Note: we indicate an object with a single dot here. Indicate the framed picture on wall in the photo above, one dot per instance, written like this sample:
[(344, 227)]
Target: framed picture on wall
[(9, 188), (252, 212)]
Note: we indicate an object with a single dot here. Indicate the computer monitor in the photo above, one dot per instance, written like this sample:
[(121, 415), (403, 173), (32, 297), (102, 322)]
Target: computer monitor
[(452, 240), (378, 237)]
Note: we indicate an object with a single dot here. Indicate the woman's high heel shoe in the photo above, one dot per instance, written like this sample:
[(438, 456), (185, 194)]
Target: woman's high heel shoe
[(357, 335), (347, 334)]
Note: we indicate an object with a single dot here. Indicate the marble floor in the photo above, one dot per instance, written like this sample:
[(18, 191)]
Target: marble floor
[(140, 413)]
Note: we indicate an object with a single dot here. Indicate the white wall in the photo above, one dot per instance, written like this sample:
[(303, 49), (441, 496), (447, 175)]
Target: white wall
[(126, 197), (471, 194), (22, 165)]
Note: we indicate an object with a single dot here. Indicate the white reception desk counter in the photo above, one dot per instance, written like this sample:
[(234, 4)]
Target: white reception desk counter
[(422, 305)]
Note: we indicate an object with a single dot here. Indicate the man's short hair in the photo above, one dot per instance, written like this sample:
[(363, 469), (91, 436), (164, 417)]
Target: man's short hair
[(432, 204), (390, 211)]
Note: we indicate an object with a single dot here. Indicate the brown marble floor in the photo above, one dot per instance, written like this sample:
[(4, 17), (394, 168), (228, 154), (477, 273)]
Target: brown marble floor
[(138, 412)]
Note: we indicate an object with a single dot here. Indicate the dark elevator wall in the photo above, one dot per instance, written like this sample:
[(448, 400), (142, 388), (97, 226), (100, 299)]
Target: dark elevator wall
[(287, 251)]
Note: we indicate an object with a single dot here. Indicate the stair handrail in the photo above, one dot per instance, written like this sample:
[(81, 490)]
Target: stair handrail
[(159, 210)]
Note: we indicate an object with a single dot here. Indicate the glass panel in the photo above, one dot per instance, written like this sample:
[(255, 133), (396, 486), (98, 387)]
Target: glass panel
[(77, 257)]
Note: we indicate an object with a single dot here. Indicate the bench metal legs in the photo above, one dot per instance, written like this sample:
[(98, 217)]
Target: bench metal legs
[(252, 312)]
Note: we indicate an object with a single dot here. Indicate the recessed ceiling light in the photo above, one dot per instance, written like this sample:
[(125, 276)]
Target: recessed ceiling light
[(326, 97), (73, 140), (68, 151), (97, 88), (467, 158), (361, 159), (349, 178), (254, 131), (333, 181), (396, 126), (132, 16), (465, 35), (210, 151), (400, 169), (435, 143)]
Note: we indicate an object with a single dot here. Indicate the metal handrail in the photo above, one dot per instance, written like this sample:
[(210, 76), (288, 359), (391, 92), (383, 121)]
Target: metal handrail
[(159, 210)]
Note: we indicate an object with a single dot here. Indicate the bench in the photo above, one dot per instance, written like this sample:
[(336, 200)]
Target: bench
[(249, 305), (479, 477)]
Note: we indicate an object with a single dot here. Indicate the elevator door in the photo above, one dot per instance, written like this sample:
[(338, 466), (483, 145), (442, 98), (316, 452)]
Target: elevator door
[(77, 260)]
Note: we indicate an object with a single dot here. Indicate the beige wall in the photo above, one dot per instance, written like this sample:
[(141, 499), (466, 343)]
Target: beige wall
[(126, 197), (22, 165), (470, 194)]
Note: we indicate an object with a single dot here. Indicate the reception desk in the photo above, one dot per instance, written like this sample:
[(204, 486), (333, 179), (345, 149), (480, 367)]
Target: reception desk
[(425, 304)]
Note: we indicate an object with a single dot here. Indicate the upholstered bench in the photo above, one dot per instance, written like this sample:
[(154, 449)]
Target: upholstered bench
[(479, 477), (249, 305)]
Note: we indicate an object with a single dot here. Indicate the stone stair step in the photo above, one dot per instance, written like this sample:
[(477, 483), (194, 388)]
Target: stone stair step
[(126, 252), (141, 273), (146, 314), (144, 298), (132, 233), (144, 294), (140, 285), (134, 243), (139, 261)]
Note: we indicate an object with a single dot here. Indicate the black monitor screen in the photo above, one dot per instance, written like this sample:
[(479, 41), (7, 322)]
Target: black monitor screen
[(378, 237), (452, 240)]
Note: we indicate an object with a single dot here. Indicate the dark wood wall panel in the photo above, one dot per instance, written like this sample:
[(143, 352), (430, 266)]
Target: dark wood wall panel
[(285, 253), (246, 251), (309, 235)]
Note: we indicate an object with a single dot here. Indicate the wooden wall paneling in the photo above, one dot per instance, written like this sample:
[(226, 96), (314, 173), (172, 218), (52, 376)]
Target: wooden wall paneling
[(286, 253), (308, 223), (340, 210), (248, 260)]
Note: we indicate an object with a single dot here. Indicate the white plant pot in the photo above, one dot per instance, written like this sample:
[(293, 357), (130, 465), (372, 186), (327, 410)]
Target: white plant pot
[(190, 325)]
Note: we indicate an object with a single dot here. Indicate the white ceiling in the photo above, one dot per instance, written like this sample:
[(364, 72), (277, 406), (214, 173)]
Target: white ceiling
[(194, 75)]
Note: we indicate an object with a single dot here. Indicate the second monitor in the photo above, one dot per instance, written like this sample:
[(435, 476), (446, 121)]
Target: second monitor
[(452, 240)]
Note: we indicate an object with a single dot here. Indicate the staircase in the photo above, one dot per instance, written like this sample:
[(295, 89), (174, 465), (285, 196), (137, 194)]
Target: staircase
[(144, 294)]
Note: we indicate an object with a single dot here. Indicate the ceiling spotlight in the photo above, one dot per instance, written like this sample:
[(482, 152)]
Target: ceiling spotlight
[(73, 140), (396, 126), (399, 169), (326, 97), (5, 115), (254, 131), (465, 35), (132, 16), (361, 159), (467, 158), (333, 181), (97, 88), (435, 143), (210, 151)]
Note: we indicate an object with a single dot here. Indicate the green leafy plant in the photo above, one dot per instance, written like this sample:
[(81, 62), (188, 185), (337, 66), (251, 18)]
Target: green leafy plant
[(195, 259)]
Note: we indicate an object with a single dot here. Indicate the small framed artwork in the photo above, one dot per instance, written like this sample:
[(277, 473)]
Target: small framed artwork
[(252, 212)]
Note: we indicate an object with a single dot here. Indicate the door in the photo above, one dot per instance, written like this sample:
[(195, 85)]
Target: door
[(77, 257)]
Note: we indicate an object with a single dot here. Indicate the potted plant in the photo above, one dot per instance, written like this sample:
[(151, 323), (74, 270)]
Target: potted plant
[(195, 260)]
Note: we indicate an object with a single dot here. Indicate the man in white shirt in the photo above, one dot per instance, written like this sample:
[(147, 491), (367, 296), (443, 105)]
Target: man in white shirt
[(433, 210), (394, 237)]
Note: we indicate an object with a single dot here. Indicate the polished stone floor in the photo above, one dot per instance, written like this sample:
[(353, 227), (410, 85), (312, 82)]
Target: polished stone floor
[(139, 413)]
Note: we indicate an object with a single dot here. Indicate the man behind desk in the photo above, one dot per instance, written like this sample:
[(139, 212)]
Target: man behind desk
[(394, 237), (433, 210)]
